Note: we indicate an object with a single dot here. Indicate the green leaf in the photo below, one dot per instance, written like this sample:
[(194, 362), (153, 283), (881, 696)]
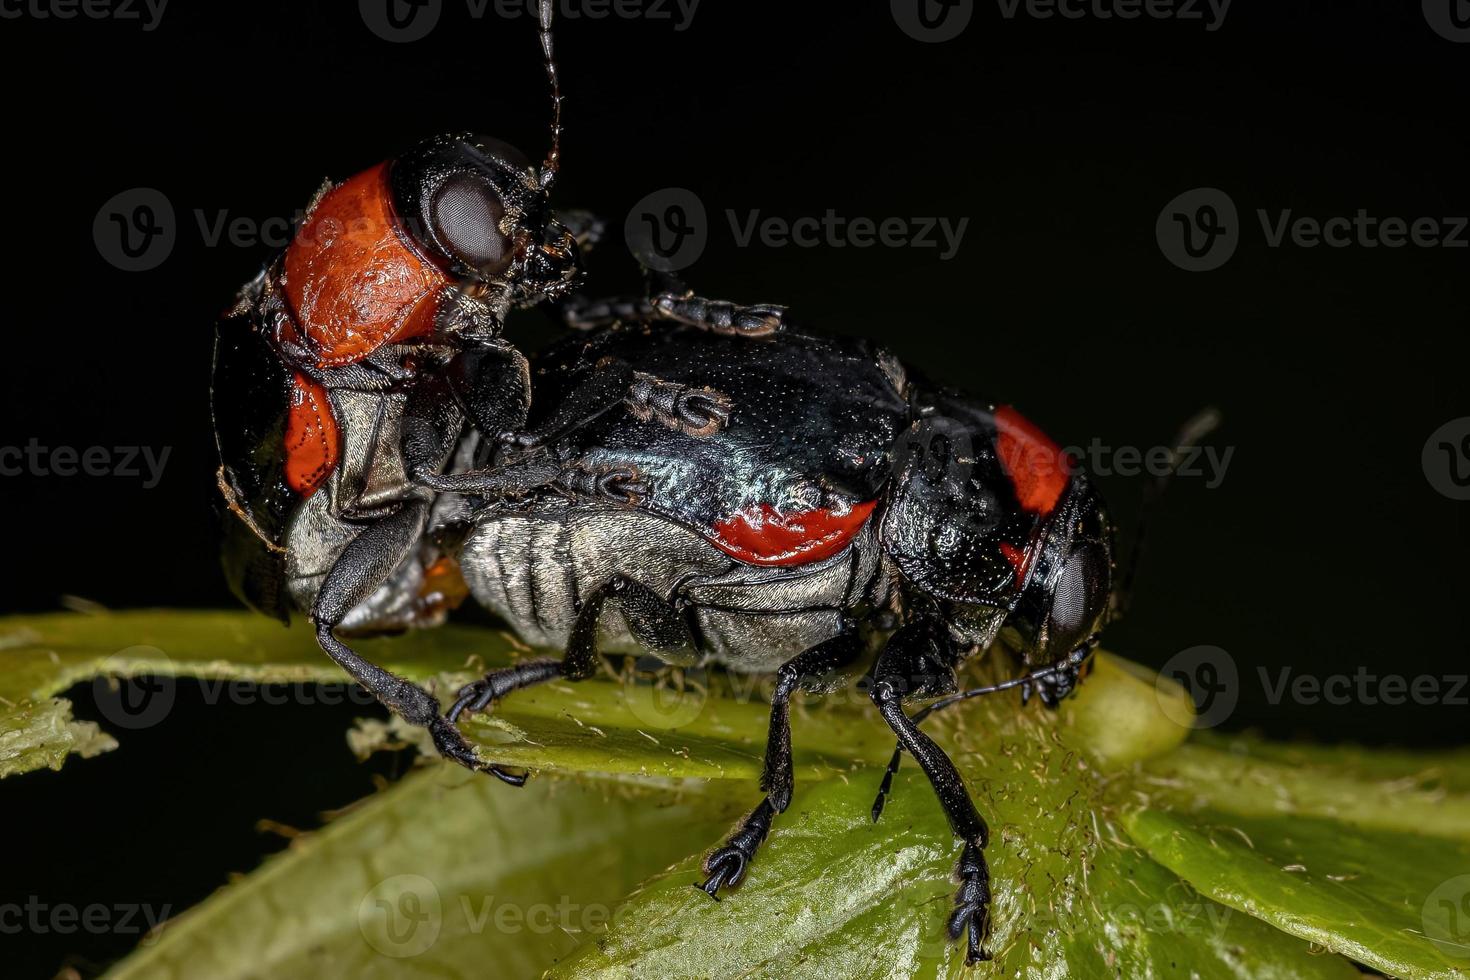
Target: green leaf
[(1116, 845), (1397, 902), (652, 725), (447, 873), (832, 894), (1393, 791)]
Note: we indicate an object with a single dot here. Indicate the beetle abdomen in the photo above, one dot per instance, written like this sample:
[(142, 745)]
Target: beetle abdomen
[(534, 568)]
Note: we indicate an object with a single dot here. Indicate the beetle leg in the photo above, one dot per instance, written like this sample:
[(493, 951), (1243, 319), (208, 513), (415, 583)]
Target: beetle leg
[(726, 866), (514, 479), (1070, 671), (671, 299), (698, 412), (654, 623), (917, 662), (587, 228), (605, 389), (720, 316), (365, 564), (1054, 684)]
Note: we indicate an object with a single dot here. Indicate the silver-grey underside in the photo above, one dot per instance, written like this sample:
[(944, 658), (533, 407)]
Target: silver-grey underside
[(534, 568)]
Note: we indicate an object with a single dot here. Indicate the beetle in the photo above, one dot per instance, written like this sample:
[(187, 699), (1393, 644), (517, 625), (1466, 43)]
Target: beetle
[(842, 500), (346, 372)]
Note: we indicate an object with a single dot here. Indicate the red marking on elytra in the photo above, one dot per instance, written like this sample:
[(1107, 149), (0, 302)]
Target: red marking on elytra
[(760, 535), (312, 440), (1038, 468)]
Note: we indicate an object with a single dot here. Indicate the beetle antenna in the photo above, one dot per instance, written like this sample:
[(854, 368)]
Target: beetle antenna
[(552, 164), (1073, 660), (1207, 420)]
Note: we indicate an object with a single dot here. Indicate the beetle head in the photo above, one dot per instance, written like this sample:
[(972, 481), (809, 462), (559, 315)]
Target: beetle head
[(476, 207), (945, 521), (954, 529), (1069, 568)]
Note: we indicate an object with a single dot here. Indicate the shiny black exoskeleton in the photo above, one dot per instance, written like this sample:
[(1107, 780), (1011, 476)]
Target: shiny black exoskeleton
[(348, 371), (838, 498)]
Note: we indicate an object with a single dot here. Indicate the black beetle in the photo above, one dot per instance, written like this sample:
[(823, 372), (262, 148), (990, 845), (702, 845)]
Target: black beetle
[(346, 371), (840, 498)]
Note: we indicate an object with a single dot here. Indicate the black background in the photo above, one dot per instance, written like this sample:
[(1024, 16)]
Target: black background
[(1324, 549)]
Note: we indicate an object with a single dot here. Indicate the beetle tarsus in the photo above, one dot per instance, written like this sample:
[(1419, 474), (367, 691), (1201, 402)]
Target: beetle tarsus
[(721, 316), (887, 784), (480, 694), (697, 412), (1052, 687), (726, 866), (972, 903), (453, 746)]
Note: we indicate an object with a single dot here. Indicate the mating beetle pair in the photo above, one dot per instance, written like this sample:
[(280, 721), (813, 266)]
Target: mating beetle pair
[(693, 479)]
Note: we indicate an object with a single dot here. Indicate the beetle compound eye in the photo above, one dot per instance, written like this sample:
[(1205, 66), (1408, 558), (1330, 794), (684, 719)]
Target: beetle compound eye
[(1070, 601), (467, 213)]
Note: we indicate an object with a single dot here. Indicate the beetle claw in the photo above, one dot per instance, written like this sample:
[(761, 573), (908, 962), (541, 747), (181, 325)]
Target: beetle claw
[(725, 867)]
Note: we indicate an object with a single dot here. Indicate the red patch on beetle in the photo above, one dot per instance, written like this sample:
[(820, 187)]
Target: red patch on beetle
[(1038, 468), (352, 282), (759, 535), (1017, 558), (312, 440)]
